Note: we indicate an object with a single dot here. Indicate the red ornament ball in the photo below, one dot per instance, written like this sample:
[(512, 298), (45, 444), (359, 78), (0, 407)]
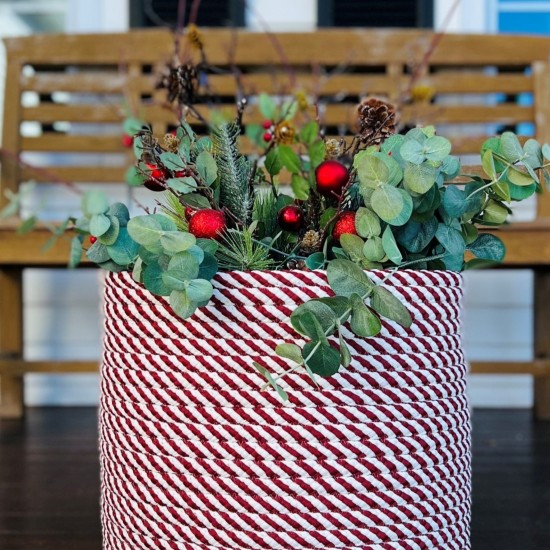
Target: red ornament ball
[(331, 176), (207, 224), (156, 178), (127, 141), (290, 218), (344, 224), (92, 239), (268, 136)]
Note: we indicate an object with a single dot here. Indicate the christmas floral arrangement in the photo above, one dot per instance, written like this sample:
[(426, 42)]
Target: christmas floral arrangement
[(382, 199)]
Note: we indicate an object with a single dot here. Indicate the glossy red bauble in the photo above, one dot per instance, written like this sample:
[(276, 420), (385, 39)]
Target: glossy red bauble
[(344, 224), (207, 224), (156, 179), (290, 218), (331, 176)]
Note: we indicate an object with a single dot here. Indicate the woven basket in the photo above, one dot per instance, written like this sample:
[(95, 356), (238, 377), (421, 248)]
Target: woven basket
[(194, 457)]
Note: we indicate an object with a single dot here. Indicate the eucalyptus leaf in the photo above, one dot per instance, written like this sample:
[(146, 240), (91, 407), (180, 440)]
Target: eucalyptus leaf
[(135, 177), (290, 351), (387, 305), (364, 323), (511, 147), (390, 246), (393, 205), (416, 236), (184, 265), (94, 202), (306, 315), (340, 305), (111, 235), (199, 290), (412, 151), (346, 278), (367, 223), (322, 359), (75, 253), (97, 253), (177, 241), (419, 178), (488, 247), (345, 354), (147, 230), (371, 170), (152, 279), (99, 224), (120, 211), (181, 304), (208, 267), (353, 246), (373, 250), (457, 201), (436, 148), (315, 261), (124, 250), (267, 375)]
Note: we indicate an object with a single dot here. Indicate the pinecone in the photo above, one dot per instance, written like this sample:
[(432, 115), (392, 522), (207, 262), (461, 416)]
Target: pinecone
[(310, 242), (333, 148), (377, 120), (181, 82), (171, 143)]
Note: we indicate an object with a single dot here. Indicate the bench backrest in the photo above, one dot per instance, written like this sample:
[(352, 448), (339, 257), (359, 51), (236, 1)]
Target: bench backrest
[(76, 89)]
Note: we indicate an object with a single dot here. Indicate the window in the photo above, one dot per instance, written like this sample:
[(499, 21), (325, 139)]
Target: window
[(373, 13), (212, 13)]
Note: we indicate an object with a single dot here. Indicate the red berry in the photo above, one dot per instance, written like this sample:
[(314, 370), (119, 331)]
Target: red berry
[(290, 218), (331, 176), (344, 224), (92, 239), (267, 124), (157, 177), (268, 136), (189, 212), (180, 174), (127, 140), (207, 224)]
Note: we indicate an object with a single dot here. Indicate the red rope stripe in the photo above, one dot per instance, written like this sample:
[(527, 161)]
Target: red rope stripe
[(195, 457)]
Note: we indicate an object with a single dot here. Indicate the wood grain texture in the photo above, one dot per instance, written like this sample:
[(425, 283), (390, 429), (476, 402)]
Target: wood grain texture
[(11, 340)]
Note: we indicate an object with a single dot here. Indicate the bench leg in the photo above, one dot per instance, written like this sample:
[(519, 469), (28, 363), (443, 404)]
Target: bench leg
[(542, 341), (11, 341)]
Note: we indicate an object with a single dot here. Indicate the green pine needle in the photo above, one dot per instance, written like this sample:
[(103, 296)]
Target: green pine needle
[(234, 172), (239, 252), (175, 211)]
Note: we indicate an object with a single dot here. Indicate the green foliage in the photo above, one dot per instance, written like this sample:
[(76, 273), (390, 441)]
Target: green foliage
[(239, 251), (234, 172)]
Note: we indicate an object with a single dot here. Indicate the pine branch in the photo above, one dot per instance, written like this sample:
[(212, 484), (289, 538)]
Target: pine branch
[(234, 172)]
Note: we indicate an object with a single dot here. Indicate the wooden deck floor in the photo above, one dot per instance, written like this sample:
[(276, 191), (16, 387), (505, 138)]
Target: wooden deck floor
[(49, 490)]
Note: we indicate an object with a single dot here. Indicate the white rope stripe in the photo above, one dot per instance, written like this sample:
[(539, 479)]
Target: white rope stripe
[(158, 516), (172, 489), (195, 457), (420, 480)]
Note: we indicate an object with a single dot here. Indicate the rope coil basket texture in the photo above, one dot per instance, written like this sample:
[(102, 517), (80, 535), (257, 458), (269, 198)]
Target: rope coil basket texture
[(195, 457)]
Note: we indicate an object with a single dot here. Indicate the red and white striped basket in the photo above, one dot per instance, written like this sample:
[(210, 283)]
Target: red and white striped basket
[(195, 457)]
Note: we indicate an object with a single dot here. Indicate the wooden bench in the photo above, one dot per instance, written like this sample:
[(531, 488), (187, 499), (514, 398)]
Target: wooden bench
[(476, 80)]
